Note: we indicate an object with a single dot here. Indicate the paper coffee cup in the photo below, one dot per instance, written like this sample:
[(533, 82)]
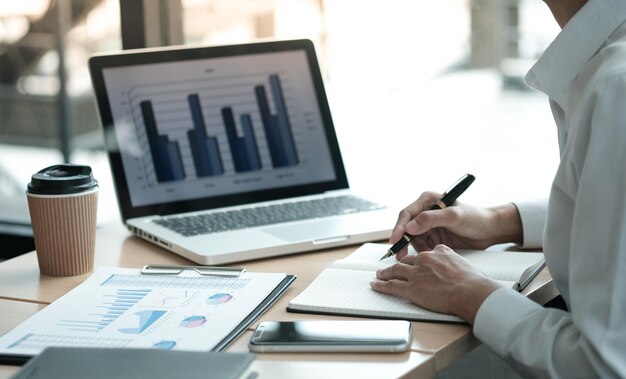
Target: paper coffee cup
[(62, 201)]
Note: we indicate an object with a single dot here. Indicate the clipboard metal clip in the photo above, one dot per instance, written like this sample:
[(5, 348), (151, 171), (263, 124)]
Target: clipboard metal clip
[(202, 270)]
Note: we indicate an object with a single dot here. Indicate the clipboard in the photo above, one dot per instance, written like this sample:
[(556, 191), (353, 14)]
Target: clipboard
[(90, 291), (256, 313), (202, 270)]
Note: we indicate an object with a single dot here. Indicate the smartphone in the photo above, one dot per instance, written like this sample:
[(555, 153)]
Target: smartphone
[(384, 336)]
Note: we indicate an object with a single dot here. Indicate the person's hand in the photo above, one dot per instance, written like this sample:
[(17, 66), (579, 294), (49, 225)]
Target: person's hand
[(459, 226), (439, 280)]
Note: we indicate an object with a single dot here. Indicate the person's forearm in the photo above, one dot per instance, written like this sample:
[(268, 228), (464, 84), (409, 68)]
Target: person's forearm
[(471, 295), (507, 224)]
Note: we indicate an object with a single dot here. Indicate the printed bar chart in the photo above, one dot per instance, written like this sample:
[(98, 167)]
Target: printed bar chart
[(148, 281), (204, 149), (120, 303), (168, 163), (38, 342)]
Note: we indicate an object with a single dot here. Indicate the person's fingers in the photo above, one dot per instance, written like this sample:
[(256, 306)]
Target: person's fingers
[(438, 218), (401, 254), (442, 249), (409, 260), (391, 287), (403, 217), (419, 243), (400, 271), (422, 203), (407, 214), (398, 230)]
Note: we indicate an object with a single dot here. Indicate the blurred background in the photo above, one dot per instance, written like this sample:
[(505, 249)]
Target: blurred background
[(421, 92)]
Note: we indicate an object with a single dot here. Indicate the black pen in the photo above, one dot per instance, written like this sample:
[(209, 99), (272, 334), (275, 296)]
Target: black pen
[(448, 198)]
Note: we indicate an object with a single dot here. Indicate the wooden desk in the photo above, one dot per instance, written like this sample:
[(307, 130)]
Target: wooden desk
[(434, 345), (11, 314)]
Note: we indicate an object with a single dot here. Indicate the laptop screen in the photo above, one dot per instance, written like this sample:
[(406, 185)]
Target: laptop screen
[(199, 128)]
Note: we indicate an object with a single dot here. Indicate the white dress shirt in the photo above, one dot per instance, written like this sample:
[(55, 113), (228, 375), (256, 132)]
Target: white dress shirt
[(584, 73)]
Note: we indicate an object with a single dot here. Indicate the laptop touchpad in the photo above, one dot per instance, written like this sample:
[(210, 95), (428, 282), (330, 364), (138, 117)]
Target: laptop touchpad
[(312, 230)]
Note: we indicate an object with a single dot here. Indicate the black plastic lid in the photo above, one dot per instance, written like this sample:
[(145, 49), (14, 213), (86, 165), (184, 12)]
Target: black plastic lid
[(62, 179)]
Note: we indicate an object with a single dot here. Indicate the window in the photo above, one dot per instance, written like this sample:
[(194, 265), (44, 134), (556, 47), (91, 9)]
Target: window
[(434, 87)]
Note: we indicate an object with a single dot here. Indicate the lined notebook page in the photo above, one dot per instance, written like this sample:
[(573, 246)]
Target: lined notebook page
[(367, 258), (348, 292), (503, 265), (499, 265)]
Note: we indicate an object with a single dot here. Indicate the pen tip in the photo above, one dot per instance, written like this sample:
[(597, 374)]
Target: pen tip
[(387, 255)]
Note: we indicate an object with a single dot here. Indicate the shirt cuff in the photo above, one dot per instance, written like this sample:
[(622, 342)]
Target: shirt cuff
[(499, 314), (533, 215)]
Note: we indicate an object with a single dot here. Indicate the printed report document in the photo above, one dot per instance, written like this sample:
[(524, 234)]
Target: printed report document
[(344, 289), (123, 308)]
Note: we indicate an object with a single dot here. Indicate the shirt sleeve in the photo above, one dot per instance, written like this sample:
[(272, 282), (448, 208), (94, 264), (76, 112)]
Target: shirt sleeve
[(589, 341), (533, 216), (538, 342)]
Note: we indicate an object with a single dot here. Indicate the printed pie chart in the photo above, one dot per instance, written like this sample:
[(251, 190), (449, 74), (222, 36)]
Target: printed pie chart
[(219, 298), (165, 345), (193, 321)]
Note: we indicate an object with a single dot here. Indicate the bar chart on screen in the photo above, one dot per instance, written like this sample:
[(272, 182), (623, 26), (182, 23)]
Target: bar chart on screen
[(217, 127), (214, 127)]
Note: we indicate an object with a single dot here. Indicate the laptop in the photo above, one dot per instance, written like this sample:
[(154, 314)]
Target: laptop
[(228, 153)]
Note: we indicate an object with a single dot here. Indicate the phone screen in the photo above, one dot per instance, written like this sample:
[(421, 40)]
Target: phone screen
[(323, 335)]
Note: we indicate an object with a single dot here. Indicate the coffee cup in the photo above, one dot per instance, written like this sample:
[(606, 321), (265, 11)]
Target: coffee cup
[(62, 201)]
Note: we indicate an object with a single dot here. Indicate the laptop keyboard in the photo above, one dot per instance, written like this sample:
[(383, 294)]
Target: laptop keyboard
[(266, 215)]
